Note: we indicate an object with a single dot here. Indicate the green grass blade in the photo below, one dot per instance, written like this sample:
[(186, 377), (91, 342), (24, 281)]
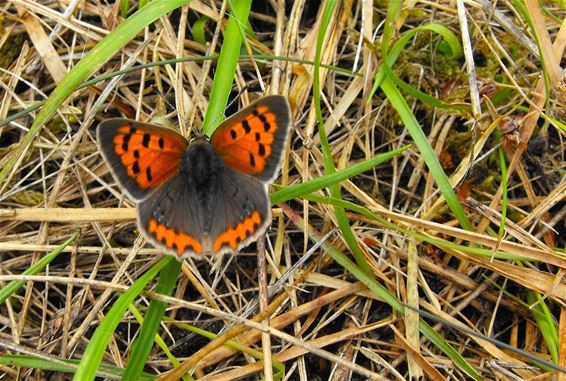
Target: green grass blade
[(546, 324), (15, 285), (396, 304), (97, 345), (504, 200), (393, 12), (258, 355), (143, 344), (31, 362), (341, 218), (449, 350), (424, 97), (101, 53), (224, 75), (394, 96), (103, 77), (302, 189), (124, 5), (199, 30), (363, 273), (221, 88), (442, 244), (158, 339), (448, 36), (426, 150)]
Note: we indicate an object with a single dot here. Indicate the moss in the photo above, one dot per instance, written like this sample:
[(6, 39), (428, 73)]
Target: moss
[(11, 48)]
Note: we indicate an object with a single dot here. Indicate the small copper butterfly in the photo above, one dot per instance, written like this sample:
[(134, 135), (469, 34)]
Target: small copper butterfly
[(206, 196)]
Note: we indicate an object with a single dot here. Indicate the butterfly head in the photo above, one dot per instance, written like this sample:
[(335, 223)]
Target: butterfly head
[(199, 136)]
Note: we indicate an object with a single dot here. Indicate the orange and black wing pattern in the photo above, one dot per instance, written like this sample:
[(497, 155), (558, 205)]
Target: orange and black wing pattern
[(171, 218), (253, 140), (141, 156)]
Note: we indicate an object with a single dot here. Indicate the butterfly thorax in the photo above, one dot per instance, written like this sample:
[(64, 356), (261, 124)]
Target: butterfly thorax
[(201, 164)]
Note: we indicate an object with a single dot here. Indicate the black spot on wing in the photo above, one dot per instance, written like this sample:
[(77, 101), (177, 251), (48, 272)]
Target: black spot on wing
[(246, 126), (146, 139), (125, 142), (136, 167)]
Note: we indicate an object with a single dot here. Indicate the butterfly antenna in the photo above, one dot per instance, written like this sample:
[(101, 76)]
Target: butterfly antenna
[(231, 103), (238, 96)]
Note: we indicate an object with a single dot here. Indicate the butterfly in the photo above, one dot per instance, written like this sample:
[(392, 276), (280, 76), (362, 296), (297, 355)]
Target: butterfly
[(207, 196)]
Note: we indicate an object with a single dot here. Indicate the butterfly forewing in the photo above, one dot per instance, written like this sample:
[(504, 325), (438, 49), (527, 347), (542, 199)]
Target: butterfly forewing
[(142, 156), (253, 140)]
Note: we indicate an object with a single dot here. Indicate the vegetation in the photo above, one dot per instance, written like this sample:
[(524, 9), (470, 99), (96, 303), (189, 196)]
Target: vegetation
[(418, 223)]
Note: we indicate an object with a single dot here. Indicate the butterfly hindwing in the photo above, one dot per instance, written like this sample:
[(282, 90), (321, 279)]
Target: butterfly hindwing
[(240, 214), (172, 218), (142, 156), (233, 212), (252, 141)]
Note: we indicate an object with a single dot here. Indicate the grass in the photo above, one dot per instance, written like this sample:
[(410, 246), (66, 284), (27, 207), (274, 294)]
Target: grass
[(412, 193)]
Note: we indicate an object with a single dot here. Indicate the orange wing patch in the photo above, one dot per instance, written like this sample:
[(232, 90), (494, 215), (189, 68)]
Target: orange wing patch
[(180, 242), (233, 236), (148, 157), (246, 143)]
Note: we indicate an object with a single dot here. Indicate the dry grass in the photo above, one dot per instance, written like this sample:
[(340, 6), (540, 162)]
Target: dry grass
[(326, 324)]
